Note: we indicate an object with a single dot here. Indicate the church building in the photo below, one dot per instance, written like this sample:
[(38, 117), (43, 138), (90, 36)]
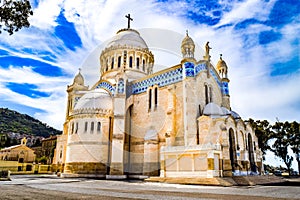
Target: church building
[(134, 122)]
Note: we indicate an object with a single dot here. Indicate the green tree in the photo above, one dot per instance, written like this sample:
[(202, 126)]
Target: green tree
[(14, 15), (294, 132), (282, 142), (263, 131), (7, 142), (37, 143), (42, 160)]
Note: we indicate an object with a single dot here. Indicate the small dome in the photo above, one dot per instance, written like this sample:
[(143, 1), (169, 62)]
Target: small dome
[(187, 47), (225, 111), (221, 64), (95, 99), (235, 115), (79, 79), (213, 109), (128, 37), (187, 41)]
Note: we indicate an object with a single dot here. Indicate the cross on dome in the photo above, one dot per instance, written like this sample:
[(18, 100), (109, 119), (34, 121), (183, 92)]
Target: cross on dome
[(129, 19)]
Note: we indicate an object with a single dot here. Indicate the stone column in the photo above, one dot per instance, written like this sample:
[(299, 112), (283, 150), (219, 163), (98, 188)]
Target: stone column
[(118, 136)]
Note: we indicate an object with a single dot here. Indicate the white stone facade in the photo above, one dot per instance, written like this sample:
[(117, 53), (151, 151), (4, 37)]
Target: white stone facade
[(173, 123)]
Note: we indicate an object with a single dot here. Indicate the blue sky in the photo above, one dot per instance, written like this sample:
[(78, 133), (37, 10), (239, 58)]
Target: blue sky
[(259, 40)]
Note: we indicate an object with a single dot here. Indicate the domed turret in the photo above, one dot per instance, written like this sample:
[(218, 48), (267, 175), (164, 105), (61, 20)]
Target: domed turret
[(75, 91), (187, 47), (222, 68), (79, 79)]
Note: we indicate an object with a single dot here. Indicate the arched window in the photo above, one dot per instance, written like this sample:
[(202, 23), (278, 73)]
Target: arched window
[(112, 62), (242, 143), (206, 94), (119, 61), (144, 64), (92, 127), (60, 154), (130, 61), (99, 127), (137, 63), (155, 96), (150, 98), (106, 64), (76, 128), (85, 127), (72, 128)]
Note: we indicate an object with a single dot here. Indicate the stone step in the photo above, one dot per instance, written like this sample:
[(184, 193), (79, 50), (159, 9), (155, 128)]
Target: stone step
[(265, 180), (193, 181), (224, 181), (242, 180), (257, 180)]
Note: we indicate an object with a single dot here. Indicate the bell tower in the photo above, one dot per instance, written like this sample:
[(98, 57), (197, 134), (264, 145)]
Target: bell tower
[(75, 91), (223, 73), (188, 63)]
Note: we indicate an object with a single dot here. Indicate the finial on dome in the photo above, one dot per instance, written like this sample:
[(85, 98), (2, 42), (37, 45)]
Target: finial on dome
[(187, 32), (221, 56), (129, 19)]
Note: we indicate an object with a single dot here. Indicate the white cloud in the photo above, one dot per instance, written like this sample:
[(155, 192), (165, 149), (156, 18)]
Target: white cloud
[(54, 114), (52, 105), (256, 9), (45, 14)]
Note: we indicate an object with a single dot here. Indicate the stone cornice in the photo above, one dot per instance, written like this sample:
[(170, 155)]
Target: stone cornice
[(122, 47), (94, 111)]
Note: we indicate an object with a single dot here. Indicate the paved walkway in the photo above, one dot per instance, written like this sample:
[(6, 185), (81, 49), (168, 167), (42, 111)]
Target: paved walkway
[(51, 187)]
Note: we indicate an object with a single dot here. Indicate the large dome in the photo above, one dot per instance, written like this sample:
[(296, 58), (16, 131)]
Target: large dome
[(95, 99), (129, 38), (126, 50)]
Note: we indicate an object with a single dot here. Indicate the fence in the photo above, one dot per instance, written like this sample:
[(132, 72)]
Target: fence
[(24, 168)]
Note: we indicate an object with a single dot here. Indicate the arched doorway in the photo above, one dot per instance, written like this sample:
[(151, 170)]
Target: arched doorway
[(232, 149), (251, 153)]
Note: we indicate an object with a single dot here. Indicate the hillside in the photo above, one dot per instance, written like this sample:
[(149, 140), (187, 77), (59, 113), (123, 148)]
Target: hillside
[(12, 121)]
